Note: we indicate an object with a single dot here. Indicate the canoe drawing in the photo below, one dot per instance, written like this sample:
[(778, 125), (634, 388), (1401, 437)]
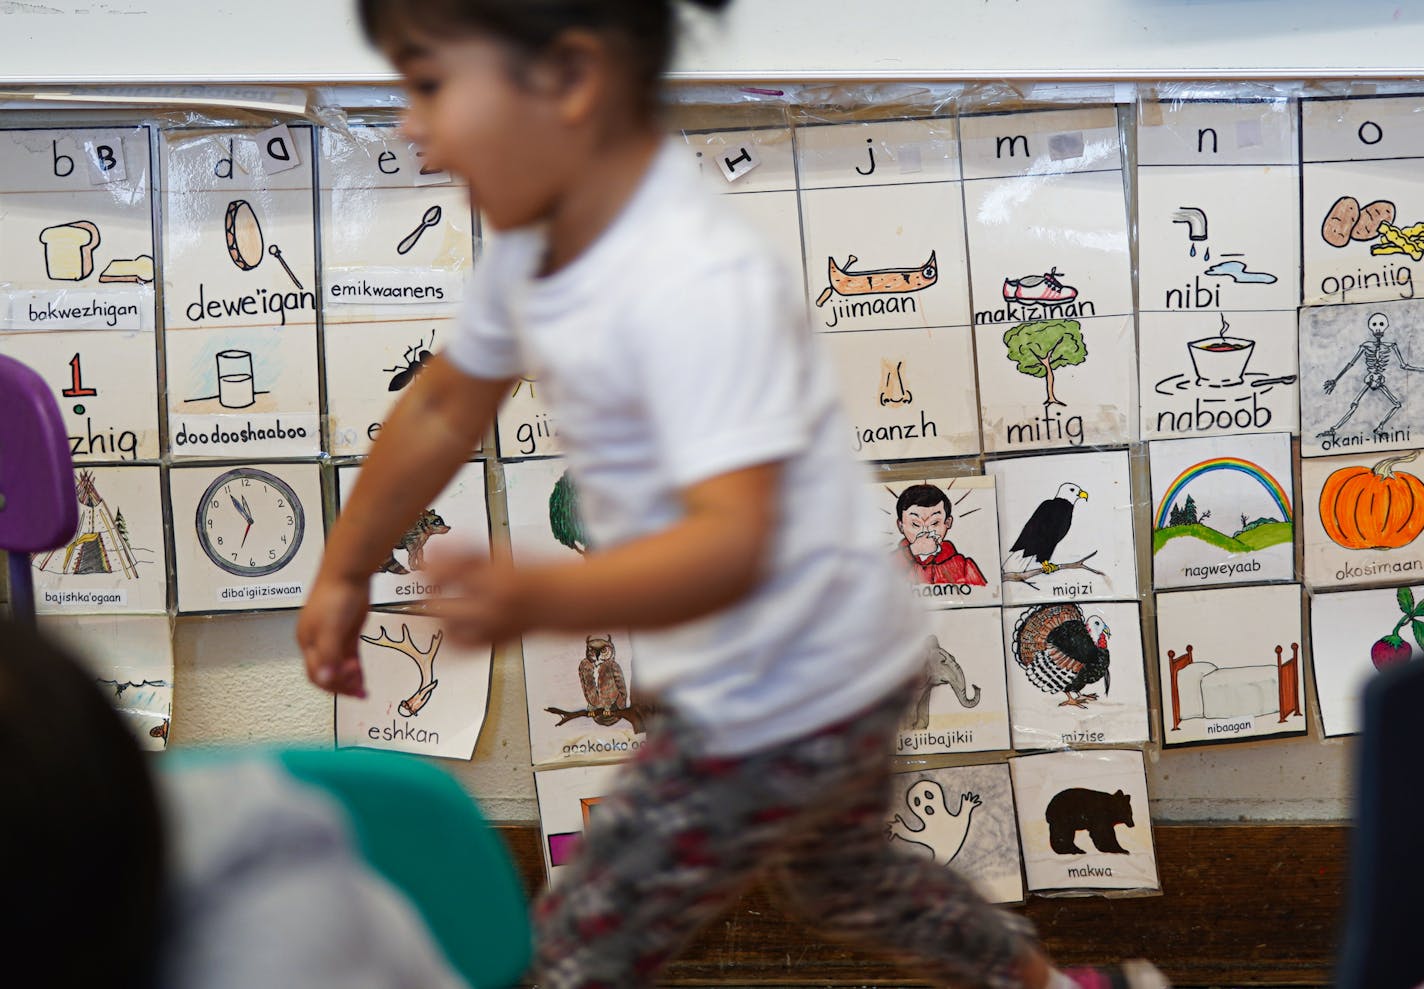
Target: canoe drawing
[(880, 281)]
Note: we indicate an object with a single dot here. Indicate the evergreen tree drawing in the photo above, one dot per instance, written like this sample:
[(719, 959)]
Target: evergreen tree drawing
[(563, 515), (123, 527)]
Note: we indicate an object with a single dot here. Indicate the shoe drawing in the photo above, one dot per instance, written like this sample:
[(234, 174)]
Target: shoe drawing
[(1043, 289)]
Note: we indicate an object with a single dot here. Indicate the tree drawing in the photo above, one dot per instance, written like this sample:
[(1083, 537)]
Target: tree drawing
[(122, 526), (563, 515), (1189, 512), (1041, 347)]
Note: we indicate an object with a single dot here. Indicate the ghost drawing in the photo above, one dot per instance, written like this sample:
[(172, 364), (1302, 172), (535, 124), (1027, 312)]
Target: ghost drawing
[(940, 831)]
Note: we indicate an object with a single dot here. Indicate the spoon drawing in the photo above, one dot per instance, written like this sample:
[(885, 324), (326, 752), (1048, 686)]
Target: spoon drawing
[(431, 217), (276, 252)]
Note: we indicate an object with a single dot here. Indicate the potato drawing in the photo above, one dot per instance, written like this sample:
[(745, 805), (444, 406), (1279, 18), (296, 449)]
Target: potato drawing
[(1367, 226), (1340, 221)]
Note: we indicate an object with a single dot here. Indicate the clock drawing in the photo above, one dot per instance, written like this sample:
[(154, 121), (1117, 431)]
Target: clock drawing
[(250, 522)]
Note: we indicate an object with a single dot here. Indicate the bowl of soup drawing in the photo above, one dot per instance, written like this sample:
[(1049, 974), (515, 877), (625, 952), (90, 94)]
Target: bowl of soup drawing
[(1220, 360)]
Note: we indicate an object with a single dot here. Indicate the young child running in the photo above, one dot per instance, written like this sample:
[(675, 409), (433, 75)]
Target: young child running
[(728, 521)]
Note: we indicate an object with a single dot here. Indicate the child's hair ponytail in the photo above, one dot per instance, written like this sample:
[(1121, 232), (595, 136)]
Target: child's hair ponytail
[(647, 28)]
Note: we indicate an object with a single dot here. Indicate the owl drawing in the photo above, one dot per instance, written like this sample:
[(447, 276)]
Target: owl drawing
[(604, 688)]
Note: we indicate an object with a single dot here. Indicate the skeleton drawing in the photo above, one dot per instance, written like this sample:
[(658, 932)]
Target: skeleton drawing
[(1378, 353)]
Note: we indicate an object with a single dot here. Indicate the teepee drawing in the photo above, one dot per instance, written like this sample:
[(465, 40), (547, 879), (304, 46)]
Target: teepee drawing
[(102, 543)]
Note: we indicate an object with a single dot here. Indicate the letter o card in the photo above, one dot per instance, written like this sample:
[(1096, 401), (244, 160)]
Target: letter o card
[(1084, 822)]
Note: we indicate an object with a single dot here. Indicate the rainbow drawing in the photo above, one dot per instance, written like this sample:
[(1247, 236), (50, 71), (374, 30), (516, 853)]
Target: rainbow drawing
[(1262, 477)]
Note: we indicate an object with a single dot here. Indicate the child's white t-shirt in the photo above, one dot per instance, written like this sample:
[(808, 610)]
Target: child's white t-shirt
[(673, 350)]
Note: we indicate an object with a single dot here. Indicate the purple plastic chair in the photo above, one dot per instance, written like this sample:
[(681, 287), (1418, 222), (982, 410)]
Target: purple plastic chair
[(38, 510)]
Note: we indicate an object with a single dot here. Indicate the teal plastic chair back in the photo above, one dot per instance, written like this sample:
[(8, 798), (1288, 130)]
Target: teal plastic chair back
[(418, 827)]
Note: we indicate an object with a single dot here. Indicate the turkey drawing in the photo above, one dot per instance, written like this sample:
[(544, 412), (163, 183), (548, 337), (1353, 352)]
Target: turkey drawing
[(1061, 651)]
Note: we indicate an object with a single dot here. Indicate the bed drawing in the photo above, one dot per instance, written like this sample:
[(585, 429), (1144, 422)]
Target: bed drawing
[(1201, 689)]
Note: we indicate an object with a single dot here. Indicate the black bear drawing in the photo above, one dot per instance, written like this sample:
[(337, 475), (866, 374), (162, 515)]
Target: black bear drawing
[(1094, 811)]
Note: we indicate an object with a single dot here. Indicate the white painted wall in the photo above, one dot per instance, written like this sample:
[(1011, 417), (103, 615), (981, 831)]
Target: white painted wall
[(265, 41)]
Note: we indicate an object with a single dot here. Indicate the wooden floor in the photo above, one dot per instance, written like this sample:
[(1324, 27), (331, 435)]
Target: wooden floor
[(1242, 905)]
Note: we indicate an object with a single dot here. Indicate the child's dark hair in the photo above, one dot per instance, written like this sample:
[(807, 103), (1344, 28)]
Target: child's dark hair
[(922, 496), (647, 28), (81, 825)]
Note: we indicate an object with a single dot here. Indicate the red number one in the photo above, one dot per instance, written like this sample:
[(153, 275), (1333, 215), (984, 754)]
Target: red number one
[(76, 388)]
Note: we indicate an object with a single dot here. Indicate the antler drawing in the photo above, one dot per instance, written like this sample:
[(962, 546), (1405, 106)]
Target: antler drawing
[(424, 661)]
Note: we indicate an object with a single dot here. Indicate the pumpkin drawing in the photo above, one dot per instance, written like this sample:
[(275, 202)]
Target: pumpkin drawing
[(1373, 507)]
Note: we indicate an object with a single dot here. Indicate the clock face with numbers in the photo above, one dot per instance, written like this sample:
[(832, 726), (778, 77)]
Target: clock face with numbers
[(250, 523)]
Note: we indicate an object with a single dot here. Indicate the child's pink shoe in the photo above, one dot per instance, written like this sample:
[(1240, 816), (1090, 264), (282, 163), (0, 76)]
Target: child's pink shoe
[(1134, 974)]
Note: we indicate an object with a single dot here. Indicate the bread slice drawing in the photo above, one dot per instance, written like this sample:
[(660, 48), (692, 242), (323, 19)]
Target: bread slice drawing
[(138, 271), (69, 250)]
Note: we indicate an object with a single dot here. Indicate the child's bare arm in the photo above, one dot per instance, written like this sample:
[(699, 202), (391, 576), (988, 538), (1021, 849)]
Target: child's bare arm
[(431, 431), (710, 559)]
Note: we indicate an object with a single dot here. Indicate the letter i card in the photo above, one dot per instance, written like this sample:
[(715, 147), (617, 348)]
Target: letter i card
[(456, 521), (757, 171), (978, 839), (581, 689), (246, 537), (423, 695), (1084, 822)]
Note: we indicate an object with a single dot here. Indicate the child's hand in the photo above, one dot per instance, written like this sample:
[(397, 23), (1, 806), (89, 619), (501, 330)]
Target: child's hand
[(327, 632), (483, 600)]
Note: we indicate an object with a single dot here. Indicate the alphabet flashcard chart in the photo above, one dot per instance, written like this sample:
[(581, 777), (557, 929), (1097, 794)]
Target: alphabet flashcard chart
[(397, 245), (945, 531), (1354, 635), (1231, 664), (76, 241), (1076, 674), (1083, 820), (1361, 377), (1363, 516), (1362, 199), (423, 695), (131, 659), (1219, 226), (979, 839), (1065, 527), (756, 169), (239, 292), (1052, 278), (117, 561), (961, 705), (886, 272), (568, 802), (245, 537), (1223, 510), (457, 521), (583, 705)]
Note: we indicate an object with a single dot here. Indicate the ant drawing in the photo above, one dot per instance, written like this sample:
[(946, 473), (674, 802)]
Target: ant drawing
[(415, 358)]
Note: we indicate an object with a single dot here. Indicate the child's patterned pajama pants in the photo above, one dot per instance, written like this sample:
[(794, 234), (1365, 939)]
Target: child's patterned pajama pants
[(683, 833)]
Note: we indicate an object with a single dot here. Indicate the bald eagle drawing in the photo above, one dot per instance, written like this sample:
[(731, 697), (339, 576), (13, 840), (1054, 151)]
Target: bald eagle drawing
[(1047, 526), (1061, 651)]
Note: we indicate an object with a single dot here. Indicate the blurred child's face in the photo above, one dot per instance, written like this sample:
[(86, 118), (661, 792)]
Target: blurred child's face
[(474, 113)]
